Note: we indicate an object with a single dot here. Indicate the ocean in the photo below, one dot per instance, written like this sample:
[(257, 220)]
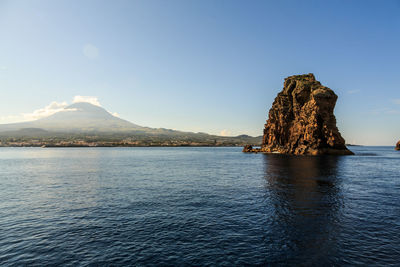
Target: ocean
[(198, 206)]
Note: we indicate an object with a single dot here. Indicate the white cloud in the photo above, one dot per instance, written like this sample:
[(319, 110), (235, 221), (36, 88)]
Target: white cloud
[(353, 92), (115, 114), (88, 99), (48, 110), (11, 118), (393, 111), (90, 51), (225, 133), (396, 101), (387, 111)]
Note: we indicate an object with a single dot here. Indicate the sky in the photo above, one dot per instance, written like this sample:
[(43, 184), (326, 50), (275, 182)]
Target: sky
[(202, 66)]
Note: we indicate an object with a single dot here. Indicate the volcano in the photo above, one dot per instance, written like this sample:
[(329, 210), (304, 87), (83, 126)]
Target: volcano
[(78, 117)]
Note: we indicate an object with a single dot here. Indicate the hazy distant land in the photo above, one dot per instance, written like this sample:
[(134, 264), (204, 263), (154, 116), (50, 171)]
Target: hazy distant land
[(86, 125), (27, 138)]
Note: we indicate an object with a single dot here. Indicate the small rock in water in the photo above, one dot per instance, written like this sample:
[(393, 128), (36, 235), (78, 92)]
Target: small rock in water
[(247, 148)]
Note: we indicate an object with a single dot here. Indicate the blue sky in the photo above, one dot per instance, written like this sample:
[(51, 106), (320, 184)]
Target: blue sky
[(209, 66)]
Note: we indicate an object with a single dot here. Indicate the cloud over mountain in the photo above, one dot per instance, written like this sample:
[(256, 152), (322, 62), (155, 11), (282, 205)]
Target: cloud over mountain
[(50, 109), (88, 99)]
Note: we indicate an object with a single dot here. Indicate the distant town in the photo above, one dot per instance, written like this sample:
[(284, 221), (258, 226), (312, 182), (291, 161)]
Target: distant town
[(121, 143)]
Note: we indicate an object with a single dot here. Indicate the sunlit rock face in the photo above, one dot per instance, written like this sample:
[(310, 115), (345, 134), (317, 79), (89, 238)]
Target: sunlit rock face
[(248, 148), (301, 120)]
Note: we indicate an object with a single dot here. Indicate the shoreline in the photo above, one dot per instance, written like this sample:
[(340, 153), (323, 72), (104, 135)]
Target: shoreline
[(94, 146)]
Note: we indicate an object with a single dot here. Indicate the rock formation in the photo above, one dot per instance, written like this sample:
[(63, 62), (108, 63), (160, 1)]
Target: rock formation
[(397, 146), (301, 120), (248, 148)]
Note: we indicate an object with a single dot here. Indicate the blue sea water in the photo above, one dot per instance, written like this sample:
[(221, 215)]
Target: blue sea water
[(198, 206)]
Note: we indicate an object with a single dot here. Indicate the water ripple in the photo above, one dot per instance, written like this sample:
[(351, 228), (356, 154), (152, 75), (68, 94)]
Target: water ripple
[(197, 206)]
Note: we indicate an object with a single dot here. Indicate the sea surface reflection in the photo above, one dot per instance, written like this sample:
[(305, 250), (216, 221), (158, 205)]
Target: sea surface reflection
[(197, 207), (306, 194)]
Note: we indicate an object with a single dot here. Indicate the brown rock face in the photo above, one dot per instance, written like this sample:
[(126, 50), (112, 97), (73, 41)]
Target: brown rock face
[(397, 146), (301, 120), (247, 148)]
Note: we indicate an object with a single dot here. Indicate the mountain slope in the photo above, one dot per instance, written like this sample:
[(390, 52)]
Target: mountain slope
[(78, 117), (84, 123)]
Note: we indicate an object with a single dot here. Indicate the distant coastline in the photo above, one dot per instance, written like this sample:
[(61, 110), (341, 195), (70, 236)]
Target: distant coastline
[(353, 145), (116, 144), (155, 141), (83, 124)]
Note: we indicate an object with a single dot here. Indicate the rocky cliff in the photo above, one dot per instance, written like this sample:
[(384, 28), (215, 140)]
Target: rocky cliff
[(397, 146), (301, 120)]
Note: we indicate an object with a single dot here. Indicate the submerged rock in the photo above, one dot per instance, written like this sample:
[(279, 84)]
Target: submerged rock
[(397, 146), (301, 120)]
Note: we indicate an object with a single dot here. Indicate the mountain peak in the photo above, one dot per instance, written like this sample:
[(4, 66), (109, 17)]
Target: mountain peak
[(84, 106), (79, 117), (81, 111)]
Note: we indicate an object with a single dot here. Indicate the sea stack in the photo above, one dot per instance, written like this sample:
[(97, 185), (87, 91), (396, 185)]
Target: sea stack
[(397, 146), (301, 120)]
